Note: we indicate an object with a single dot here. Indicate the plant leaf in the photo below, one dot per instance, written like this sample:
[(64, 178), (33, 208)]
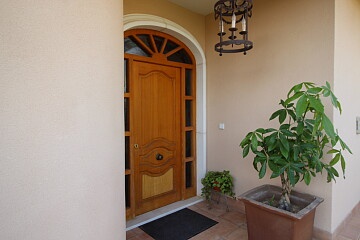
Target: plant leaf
[(275, 175), (260, 130), (291, 175), (326, 92), (339, 106), (344, 146), (246, 139), (292, 114), (282, 116), (296, 153), (284, 142), (314, 90), (316, 104), (254, 143), (300, 128), (328, 85), (307, 178), (272, 143), (333, 170), (262, 170), (343, 164), (332, 151), (328, 127), (246, 151), (294, 97), (335, 160), (275, 114), (301, 106), (283, 151), (284, 126), (334, 100), (273, 167), (295, 89)]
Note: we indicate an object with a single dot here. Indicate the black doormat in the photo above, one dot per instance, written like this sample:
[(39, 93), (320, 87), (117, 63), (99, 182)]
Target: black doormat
[(180, 225)]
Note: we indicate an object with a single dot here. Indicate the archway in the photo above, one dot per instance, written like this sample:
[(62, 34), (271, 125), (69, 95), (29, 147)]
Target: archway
[(132, 21)]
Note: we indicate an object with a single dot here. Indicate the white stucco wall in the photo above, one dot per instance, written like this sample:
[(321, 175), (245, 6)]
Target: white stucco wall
[(346, 192), (61, 123), (293, 42)]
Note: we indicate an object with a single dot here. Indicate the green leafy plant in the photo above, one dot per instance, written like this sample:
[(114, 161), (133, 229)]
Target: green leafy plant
[(219, 181), (295, 150)]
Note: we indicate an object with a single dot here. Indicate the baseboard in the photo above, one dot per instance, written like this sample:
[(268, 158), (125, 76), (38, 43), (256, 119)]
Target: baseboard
[(341, 227), (320, 234), (324, 235)]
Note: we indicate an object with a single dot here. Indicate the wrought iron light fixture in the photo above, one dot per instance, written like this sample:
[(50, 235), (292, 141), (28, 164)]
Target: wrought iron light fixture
[(232, 12)]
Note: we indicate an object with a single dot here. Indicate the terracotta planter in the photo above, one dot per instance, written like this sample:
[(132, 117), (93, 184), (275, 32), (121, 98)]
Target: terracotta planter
[(270, 223), (217, 189)]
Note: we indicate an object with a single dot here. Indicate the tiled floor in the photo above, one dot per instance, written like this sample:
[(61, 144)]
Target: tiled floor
[(232, 225), (351, 229)]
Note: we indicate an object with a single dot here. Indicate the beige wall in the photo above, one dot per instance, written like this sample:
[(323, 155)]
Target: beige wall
[(193, 22), (61, 157), (293, 42), (346, 193)]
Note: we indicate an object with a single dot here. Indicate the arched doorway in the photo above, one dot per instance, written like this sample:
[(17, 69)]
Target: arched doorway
[(160, 120)]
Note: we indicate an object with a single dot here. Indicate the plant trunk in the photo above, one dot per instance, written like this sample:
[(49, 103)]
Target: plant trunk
[(284, 202)]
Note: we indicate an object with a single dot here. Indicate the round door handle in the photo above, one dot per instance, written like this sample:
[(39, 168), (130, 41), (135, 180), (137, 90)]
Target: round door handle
[(159, 157)]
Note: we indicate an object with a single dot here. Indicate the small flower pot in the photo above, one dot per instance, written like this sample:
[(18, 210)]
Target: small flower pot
[(217, 189)]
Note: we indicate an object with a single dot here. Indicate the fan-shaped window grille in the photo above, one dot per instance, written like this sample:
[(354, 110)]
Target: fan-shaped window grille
[(157, 45)]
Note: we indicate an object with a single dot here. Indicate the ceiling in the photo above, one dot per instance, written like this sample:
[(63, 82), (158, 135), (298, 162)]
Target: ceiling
[(203, 7)]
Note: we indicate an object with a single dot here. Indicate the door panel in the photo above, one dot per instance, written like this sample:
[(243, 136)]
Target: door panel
[(157, 137)]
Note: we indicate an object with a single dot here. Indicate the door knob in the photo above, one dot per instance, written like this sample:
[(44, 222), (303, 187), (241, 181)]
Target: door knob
[(159, 157)]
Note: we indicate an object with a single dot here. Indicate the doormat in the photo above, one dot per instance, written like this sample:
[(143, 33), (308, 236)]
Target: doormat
[(180, 225)]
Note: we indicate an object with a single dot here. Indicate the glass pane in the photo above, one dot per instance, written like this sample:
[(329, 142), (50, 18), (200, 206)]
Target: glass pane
[(158, 42), (188, 144), (127, 191), (180, 56), (127, 152), (126, 77), (126, 114), (188, 113), (146, 39), (132, 47), (170, 45), (188, 82), (188, 174)]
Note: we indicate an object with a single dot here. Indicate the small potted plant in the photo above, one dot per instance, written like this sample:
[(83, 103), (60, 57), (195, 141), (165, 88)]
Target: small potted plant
[(293, 152), (217, 181)]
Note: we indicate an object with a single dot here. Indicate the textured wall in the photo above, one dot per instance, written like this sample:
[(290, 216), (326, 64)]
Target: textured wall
[(193, 22), (346, 193), (293, 42), (61, 141)]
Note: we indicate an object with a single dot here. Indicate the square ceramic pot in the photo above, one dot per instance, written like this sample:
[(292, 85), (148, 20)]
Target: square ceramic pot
[(271, 223)]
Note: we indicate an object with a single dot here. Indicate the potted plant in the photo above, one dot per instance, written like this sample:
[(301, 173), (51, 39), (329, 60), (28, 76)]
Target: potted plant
[(293, 152), (217, 181)]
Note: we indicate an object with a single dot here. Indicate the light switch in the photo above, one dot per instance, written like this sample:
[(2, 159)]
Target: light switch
[(357, 125), (221, 126)]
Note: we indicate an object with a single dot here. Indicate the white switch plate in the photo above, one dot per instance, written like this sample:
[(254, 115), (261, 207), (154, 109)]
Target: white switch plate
[(357, 125), (221, 126)]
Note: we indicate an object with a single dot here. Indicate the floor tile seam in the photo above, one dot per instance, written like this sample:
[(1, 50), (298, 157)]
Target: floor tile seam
[(227, 235), (210, 214)]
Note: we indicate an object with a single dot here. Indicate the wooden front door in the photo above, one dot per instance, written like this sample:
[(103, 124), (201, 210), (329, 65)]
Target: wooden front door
[(157, 135), (160, 123)]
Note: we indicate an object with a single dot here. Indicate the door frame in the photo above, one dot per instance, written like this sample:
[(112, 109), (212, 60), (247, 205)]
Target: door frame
[(164, 50), (164, 25)]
